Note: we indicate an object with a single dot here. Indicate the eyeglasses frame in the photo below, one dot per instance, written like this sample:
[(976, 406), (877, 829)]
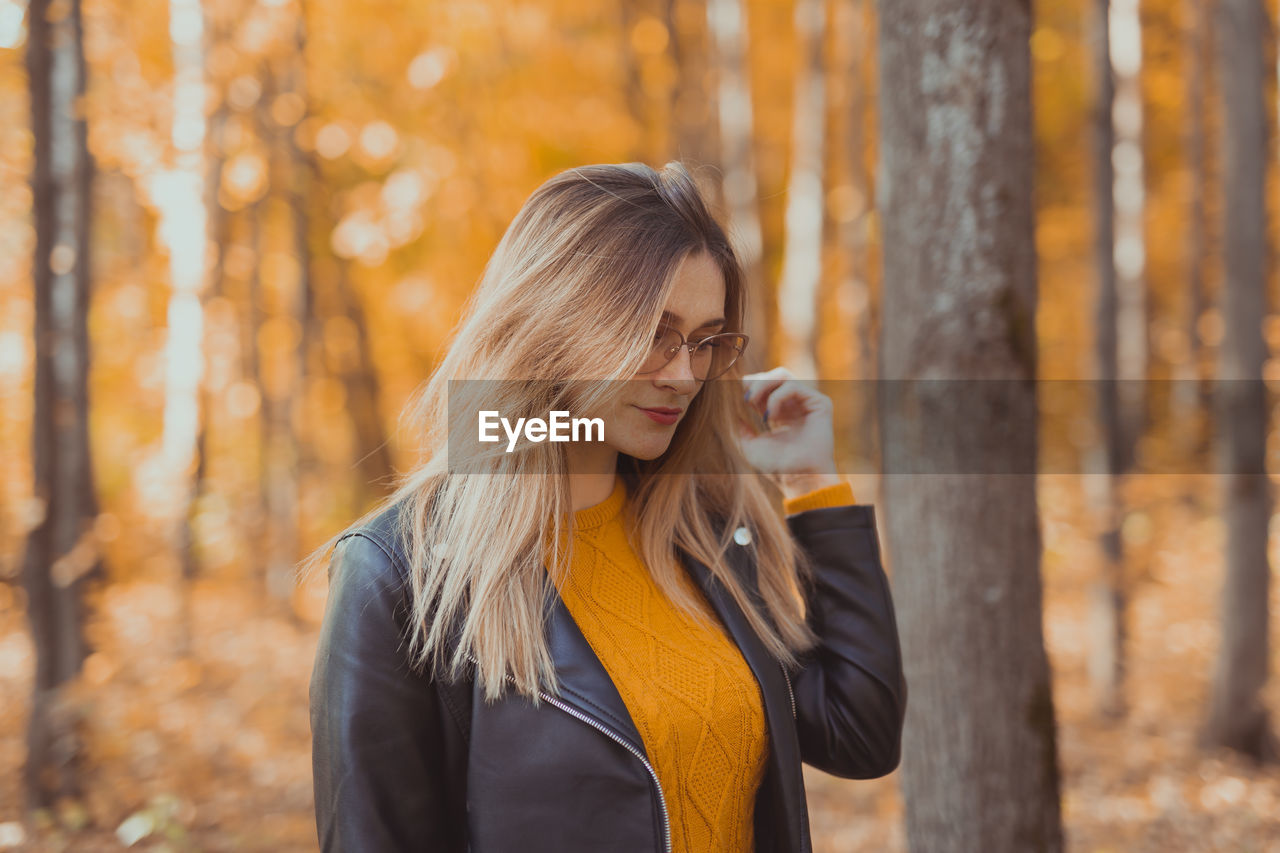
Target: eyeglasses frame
[(685, 343)]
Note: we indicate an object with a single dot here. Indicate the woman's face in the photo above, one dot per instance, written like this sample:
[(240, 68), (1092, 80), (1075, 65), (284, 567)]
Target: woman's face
[(696, 308)]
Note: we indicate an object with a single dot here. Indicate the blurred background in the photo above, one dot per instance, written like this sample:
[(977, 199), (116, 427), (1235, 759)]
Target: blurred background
[(235, 236)]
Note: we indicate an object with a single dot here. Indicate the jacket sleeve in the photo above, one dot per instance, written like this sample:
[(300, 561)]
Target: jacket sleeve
[(850, 694), (380, 751)]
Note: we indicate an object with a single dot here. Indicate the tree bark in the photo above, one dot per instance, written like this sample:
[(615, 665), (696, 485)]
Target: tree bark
[(1129, 240), (254, 509), (219, 236), (980, 766), (1194, 396), (282, 387), (1237, 717), (642, 147), (727, 21), (853, 287), (183, 231), (61, 554), (360, 379), (1108, 593), (333, 296), (806, 200), (694, 127)]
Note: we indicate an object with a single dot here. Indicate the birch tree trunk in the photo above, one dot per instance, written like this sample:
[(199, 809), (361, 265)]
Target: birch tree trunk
[(1129, 203), (980, 766), (61, 553), (1107, 604), (727, 22), (213, 380), (1237, 718), (802, 253), (183, 231)]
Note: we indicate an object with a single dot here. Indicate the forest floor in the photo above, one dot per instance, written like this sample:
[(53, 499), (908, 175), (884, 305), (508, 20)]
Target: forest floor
[(210, 751)]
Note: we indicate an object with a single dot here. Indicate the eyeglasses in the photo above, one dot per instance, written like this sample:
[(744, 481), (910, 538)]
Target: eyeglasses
[(708, 358)]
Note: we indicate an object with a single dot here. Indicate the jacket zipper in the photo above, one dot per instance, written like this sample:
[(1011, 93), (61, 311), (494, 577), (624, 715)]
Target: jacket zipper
[(790, 694), (596, 724)]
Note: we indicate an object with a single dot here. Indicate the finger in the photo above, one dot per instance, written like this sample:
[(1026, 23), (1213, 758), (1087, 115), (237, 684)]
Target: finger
[(758, 399), (788, 397), (759, 386), (754, 379)]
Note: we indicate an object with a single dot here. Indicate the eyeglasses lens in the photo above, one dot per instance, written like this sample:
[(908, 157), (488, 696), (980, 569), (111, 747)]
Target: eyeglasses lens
[(712, 358)]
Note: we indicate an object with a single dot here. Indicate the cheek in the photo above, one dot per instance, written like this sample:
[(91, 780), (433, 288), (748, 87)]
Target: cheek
[(624, 420), (627, 425), (617, 421)]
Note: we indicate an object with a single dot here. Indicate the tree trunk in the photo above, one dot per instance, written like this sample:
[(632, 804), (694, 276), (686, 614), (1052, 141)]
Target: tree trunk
[(61, 553), (298, 194), (182, 231), (284, 378), (360, 379), (1193, 396), (853, 285), (694, 128), (727, 21), (1128, 195), (642, 146), (806, 201), (1237, 718), (980, 766), (219, 235), (254, 507), (1107, 600), (333, 296)]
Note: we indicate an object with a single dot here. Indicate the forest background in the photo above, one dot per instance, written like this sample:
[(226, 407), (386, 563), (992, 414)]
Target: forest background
[(235, 236)]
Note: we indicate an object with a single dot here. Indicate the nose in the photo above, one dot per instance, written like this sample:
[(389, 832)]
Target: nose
[(677, 374)]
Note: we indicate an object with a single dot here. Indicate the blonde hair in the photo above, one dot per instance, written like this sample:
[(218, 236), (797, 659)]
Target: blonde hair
[(576, 287)]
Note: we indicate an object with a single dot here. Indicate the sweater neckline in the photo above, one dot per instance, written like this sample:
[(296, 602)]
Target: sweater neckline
[(607, 510)]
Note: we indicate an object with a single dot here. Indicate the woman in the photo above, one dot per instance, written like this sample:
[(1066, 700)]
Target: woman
[(550, 646)]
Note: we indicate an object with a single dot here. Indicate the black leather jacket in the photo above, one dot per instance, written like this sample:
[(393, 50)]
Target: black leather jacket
[(403, 762)]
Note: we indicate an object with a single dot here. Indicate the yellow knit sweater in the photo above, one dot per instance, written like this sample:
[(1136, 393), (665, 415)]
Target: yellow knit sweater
[(688, 689)]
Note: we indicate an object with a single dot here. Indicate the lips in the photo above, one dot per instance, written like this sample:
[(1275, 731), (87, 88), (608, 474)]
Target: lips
[(664, 415)]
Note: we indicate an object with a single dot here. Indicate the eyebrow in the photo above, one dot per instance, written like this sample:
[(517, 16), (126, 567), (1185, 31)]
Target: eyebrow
[(667, 316)]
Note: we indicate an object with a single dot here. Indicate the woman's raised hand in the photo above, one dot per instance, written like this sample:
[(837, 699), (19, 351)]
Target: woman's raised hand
[(798, 446)]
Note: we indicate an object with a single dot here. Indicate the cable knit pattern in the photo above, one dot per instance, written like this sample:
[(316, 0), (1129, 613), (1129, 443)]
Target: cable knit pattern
[(691, 695), (686, 686)]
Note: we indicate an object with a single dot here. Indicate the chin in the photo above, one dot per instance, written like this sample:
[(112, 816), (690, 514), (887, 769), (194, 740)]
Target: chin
[(647, 452)]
